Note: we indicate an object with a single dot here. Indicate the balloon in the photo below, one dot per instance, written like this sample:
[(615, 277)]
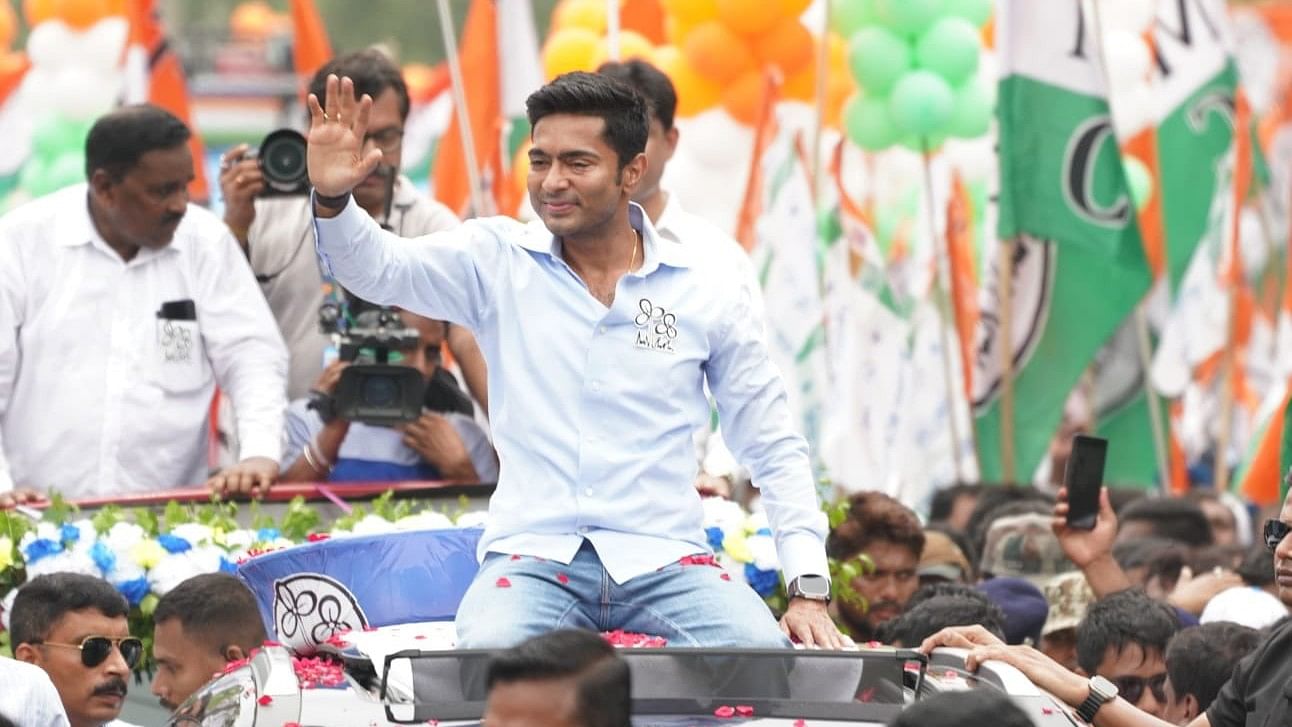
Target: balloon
[(570, 49), (589, 14), (749, 18), (82, 14), (421, 81), (849, 16), (32, 178), (950, 49), (975, 11), (908, 17), (85, 93), (66, 170), (717, 53), (743, 99), (1139, 180), (921, 103), (878, 58), (1133, 16), (102, 45), (47, 45), (794, 8), (695, 93), (974, 104), (838, 89), (631, 45), (922, 144), (788, 46), (717, 143), (37, 12), (8, 25), (868, 123), (58, 136), (252, 20), (691, 12)]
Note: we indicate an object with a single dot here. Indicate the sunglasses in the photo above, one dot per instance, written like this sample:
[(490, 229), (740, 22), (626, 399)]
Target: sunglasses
[(1275, 532), (1132, 688), (96, 649)]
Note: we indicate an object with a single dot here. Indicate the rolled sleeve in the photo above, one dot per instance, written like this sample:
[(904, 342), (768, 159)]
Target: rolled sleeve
[(758, 427)]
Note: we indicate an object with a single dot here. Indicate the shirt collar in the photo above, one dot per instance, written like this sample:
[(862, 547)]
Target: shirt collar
[(657, 250), (76, 227)]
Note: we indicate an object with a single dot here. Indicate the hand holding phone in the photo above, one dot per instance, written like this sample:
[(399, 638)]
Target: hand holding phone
[(1083, 479)]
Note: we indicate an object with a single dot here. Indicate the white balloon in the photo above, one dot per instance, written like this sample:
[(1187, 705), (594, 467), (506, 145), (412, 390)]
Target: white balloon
[(1129, 60), (48, 43), (102, 45), (34, 92), (716, 140), (1134, 16), (85, 93)]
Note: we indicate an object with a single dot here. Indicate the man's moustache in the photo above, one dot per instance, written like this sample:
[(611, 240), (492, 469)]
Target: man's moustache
[(115, 686)]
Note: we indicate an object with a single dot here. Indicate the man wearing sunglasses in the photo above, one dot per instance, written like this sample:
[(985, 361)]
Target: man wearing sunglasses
[(1259, 694), (74, 627)]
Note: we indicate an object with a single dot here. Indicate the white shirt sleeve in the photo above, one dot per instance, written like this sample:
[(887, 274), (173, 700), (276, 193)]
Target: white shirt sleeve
[(483, 456), (12, 297), (29, 697)]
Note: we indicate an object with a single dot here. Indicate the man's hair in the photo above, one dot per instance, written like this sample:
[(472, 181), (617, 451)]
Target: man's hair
[(956, 708), (372, 72), (1200, 660), (216, 609), (957, 590), (590, 94), (1257, 568), (1142, 552), (44, 600), (1173, 518), (874, 516), (930, 616), (1124, 618), (602, 678), (649, 81), (944, 500), (120, 138)]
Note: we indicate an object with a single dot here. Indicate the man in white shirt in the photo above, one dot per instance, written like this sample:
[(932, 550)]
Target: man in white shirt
[(29, 698), (122, 306), (74, 627)]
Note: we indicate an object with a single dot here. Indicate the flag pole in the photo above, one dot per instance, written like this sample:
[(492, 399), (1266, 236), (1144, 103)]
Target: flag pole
[(822, 87), (612, 29), (1005, 288), (943, 300), (460, 108)]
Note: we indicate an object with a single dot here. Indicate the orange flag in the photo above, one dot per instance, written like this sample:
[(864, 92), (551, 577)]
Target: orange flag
[(964, 286), (310, 45), (478, 56), (764, 132)]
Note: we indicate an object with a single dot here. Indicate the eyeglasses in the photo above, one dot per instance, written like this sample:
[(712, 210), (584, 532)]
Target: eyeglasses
[(387, 140), (96, 649), (1132, 688), (1275, 532)]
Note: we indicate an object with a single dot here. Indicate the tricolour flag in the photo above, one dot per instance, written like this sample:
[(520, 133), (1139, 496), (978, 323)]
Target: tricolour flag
[(1077, 264)]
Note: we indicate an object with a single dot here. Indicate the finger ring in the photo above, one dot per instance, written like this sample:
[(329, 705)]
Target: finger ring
[(325, 118)]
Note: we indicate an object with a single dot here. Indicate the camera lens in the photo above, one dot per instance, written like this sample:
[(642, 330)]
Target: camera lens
[(282, 158), (379, 391)]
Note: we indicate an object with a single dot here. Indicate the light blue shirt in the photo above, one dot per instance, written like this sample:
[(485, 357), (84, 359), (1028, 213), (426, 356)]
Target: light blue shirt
[(592, 409)]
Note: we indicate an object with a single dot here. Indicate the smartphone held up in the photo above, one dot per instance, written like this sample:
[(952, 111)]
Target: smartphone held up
[(1083, 479)]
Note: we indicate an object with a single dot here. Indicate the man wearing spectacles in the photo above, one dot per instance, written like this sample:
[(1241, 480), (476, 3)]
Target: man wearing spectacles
[(74, 627)]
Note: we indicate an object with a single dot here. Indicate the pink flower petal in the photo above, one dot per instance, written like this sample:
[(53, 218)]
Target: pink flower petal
[(1047, 711), (419, 637), (562, 578), (291, 724), (266, 700), (800, 723), (744, 710), (503, 583), (725, 576), (515, 557), (268, 644), (724, 712)]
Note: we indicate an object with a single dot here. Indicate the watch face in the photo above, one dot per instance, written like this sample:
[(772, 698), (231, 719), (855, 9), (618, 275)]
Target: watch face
[(1105, 688), (814, 586)]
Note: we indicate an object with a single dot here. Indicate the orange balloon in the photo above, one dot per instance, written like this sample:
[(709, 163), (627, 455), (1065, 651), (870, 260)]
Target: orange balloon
[(645, 17), (82, 14), (589, 14), (570, 49), (837, 53), (421, 81), (695, 93), (631, 45), (749, 18), (801, 86), (8, 26), (744, 98), (691, 12), (838, 89), (251, 20), (38, 11), (718, 53), (794, 8), (788, 46)]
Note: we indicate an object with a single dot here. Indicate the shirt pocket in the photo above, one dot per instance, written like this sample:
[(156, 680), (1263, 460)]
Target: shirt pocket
[(179, 359)]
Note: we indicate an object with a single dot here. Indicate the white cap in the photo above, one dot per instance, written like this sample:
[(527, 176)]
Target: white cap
[(1244, 605)]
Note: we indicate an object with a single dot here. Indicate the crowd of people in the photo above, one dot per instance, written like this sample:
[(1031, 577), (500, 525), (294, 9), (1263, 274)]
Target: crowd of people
[(123, 307)]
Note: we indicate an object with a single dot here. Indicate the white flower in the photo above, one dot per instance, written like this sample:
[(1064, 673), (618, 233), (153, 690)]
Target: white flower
[(65, 562), (123, 536), (176, 568), (372, 525), (239, 540), (6, 606), (424, 520), (195, 533), (473, 519), (723, 513), (757, 521), (763, 548), (88, 534), (44, 531)]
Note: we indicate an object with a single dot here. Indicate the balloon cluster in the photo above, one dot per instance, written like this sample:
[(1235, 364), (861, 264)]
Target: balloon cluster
[(916, 62), (577, 41)]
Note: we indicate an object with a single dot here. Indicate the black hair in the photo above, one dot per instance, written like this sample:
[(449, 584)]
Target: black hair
[(649, 81), (875, 517), (603, 680), (944, 500), (958, 590), (1173, 518), (44, 600), (216, 609), (6, 722), (1124, 618), (1200, 660), (955, 708), (372, 73), (962, 541), (930, 616), (589, 94), (1257, 568), (1140, 552), (1229, 557), (120, 138)]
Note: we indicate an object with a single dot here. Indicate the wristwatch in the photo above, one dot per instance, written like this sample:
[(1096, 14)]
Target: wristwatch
[(1102, 691), (323, 403), (811, 587)]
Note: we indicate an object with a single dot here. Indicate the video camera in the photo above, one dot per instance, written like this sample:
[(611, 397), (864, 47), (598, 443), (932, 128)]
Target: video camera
[(282, 162), (372, 390)]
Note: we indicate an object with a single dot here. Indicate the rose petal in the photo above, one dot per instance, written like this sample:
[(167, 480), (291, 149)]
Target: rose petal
[(266, 700), (268, 644), (562, 578), (724, 712), (800, 723), (515, 557), (503, 583), (744, 710), (725, 576)]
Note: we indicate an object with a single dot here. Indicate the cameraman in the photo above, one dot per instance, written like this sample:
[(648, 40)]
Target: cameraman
[(438, 446), (277, 233)]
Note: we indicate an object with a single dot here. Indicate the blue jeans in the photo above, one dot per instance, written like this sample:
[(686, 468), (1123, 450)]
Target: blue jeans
[(689, 605)]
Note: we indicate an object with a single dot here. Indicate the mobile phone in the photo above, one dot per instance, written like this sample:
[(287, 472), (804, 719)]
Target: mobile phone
[(1083, 478)]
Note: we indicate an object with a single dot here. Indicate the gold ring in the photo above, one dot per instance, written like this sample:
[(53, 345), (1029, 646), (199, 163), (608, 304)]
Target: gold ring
[(325, 116)]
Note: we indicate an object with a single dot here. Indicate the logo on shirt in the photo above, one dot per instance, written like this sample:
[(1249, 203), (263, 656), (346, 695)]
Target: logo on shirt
[(176, 342), (656, 327)]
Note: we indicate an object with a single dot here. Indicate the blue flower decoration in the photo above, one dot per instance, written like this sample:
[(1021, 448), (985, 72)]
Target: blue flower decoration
[(265, 535), (763, 582), (70, 534), (715, 536), (763, 531), (174, 543), (134, 590), (41, 548), (228, 566), (103, 557)]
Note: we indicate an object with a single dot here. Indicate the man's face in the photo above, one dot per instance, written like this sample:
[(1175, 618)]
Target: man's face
[(145, 206), (660, 145), (1224, 531), (1134, 666), (91, 695), (888, 587), (386, 132), (1062, 647), (1179, 708), (575, 183), (539, 703), (1283, 557), (426, 357), (184, 663)]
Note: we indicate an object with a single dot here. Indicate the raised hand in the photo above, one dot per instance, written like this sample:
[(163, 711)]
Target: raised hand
[(1084, 547), (335, 157)]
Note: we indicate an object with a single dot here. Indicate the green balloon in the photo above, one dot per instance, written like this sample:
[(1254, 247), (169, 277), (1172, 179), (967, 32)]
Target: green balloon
[(950, 49), (921, 103), (33, 176), (57, 136), (67, 169), (921, 144), (868, 123), (849, 16), (1140, 181), (909, 17), (974, 106), (878, 58), (977, 12)]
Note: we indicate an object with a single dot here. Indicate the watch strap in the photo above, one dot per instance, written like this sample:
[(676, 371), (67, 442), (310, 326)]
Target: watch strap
[(1087, 709), (332, 203)]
